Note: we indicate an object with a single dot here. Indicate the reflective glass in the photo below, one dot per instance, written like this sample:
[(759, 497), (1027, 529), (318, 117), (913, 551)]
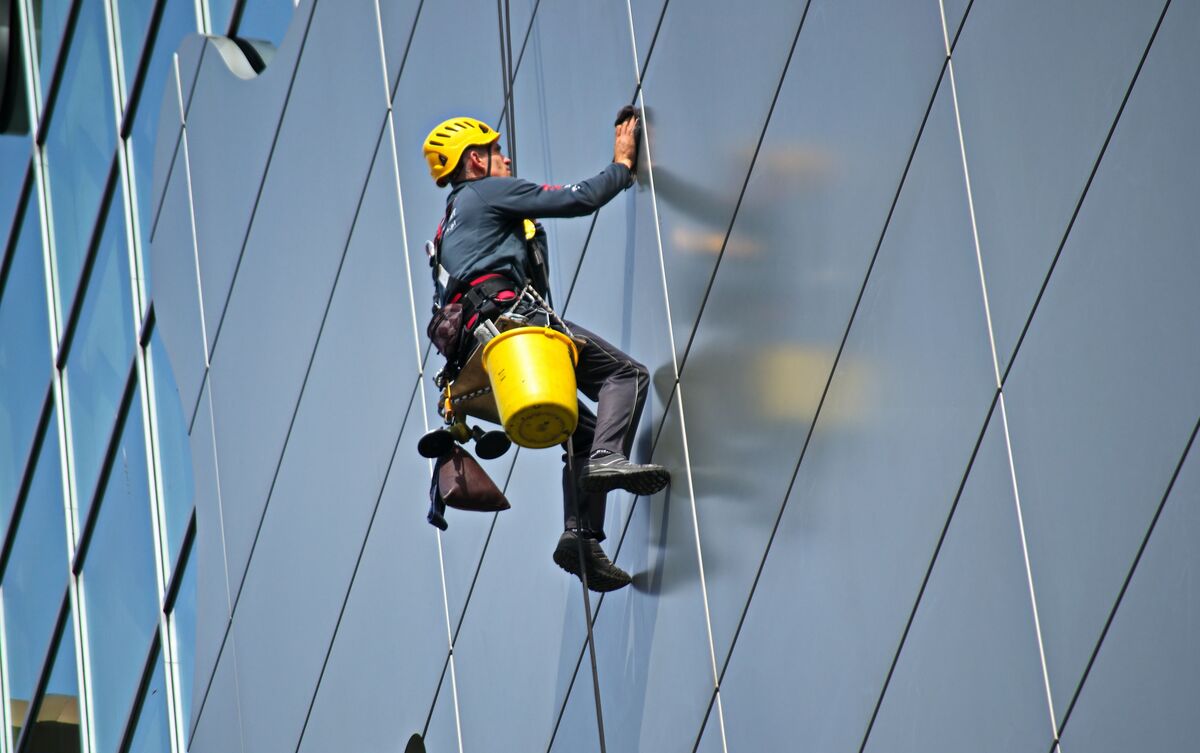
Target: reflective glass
[(183, 625), (153, 731), (35, 579), (542, 618), (563, 99), (178, 20), (49, 21), (1103, 392), (1032, 138), (905, 407), (220, 727), (100, 357), (974, 621), (171, 444), (134, 21), (219, 12), (1141, 692), (266, 19), (14, 162), (809, 222), (79, 147), (24, 357), (119, 586), (655, 631), (699, 104), (258, 380), (57, 725)]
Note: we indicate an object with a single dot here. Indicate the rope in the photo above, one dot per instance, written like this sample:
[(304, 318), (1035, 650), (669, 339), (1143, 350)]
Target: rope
[(587, 601)]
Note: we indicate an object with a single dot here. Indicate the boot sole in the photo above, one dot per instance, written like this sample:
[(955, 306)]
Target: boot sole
[(644, 482), (566, 556)]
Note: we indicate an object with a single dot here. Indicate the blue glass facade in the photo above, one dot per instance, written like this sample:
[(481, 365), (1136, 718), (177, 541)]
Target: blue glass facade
[(97, 586)]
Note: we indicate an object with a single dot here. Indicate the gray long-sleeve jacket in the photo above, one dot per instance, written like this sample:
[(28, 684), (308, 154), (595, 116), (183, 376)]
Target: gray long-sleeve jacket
[(484, 232)]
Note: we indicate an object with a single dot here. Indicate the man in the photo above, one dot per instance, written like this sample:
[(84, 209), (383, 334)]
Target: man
[(483, 249)]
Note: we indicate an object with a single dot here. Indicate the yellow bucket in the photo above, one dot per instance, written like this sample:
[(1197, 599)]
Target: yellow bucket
[(532, 372)]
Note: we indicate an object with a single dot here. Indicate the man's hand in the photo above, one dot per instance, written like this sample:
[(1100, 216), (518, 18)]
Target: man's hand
[(625, 143)]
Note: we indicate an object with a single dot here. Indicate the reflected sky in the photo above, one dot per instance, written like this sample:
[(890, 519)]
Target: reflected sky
[(36, 577), (134, 17), (174, 453), (14, 161), (24, 358), (266, 19), (79, 146), (51, 731), (49, 21), (178, 20), (101, 353), (119, 585), (183, 618), (152, 733)]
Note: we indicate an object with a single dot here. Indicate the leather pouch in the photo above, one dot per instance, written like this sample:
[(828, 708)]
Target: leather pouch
[(464, 485)]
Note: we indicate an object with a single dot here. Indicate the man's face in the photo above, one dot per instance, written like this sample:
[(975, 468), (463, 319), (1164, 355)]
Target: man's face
[(501, 166)]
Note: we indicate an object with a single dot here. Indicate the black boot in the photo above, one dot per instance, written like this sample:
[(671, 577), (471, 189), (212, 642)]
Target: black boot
[(602, 574), (606, 471)]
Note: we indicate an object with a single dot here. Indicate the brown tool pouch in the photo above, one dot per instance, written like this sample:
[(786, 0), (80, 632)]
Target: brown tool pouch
[(464, 485)]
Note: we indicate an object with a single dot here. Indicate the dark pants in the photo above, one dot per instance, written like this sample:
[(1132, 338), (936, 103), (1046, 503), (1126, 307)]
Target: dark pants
[(619, 386)]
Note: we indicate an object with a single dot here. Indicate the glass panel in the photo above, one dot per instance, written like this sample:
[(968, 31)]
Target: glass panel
[(266, 19), (49, 21), (668, 683), (696, 197), (1033, 138), (183, 626), (35, 579), (24, 357), (120, 589), (14, 162), (904, 410), (1141, 692), (101, 353), (218, 13), (1103, 392), (134, 17), (178, 20), (174, 454), (809, 222), (79, 147), (264, 375), (56, 728), (974, 621), (152, 733)]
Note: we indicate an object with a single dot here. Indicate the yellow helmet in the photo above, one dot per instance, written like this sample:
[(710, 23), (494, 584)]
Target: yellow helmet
[(445, 144)]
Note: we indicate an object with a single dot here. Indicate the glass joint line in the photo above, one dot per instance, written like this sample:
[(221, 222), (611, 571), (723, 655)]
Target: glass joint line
[(187, 174), (262, 183), (307, 374), (1083, 194), (762, 136), (832, 373), (354, 573), (1187, 450), (996, 371)]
